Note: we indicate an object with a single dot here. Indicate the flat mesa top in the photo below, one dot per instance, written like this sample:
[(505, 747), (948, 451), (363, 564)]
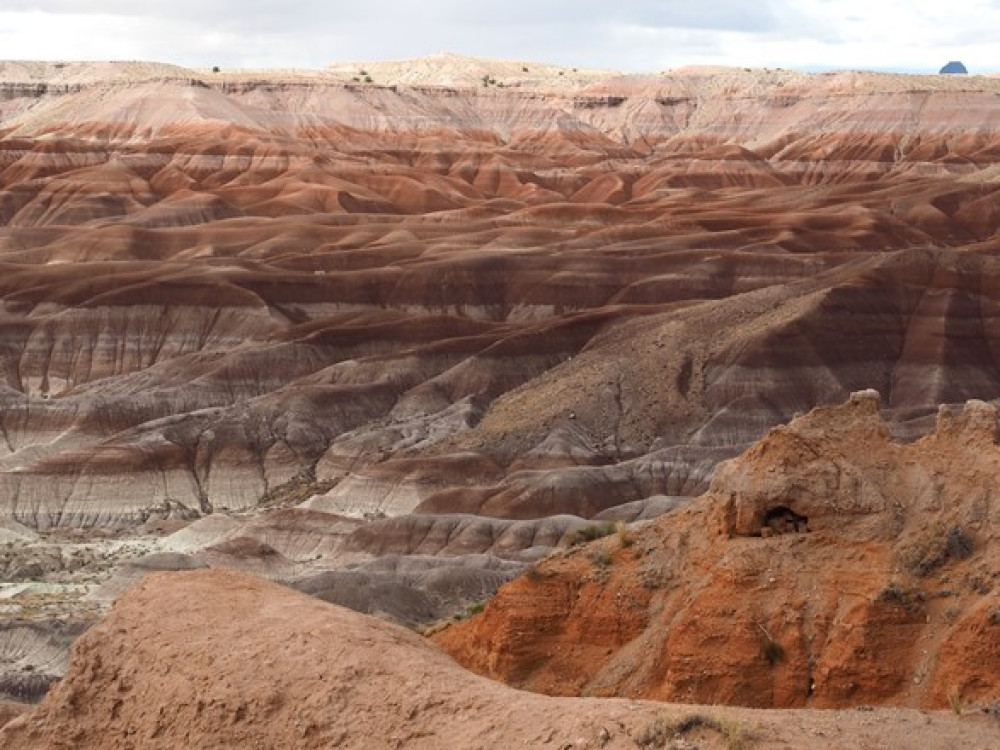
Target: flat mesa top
[(457, 71)]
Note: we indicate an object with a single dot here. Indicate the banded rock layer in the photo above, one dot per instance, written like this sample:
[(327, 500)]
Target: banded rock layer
[(542, 299)]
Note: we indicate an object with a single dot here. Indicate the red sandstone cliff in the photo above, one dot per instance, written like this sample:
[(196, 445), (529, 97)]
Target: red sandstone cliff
[(828, 566)]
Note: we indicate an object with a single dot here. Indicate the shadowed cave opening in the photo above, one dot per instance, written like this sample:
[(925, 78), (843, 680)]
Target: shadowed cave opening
[(783, 520)]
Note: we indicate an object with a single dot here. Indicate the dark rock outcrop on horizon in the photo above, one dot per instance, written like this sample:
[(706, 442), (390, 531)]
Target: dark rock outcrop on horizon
[(955, 67)]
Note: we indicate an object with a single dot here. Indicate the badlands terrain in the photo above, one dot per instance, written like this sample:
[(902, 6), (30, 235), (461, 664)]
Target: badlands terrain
[(398, 334)]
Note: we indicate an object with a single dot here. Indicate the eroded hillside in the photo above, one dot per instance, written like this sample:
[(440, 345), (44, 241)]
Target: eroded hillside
[(400, 296)]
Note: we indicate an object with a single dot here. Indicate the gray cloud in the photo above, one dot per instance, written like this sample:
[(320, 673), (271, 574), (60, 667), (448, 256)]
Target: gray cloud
[(722, 14), (627, 34)]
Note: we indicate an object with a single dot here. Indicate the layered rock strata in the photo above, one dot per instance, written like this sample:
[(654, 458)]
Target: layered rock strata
[(570, 293)]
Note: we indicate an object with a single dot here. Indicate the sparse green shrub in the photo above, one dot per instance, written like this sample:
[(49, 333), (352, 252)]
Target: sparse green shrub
[(471, 609), (601, 558), (654, 576), (959, 545), (663, 729), (893, 593), (980, 585), (994, 616), (368, 79), (656, 734), (910, 600), (590, 532), (940, 547)]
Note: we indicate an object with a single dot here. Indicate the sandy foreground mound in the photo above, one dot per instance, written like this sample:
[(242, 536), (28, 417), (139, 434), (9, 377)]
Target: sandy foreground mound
[(828, 566), (210, 659)]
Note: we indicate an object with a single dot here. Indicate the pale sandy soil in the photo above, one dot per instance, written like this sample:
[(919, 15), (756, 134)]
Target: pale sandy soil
[(214, 659)]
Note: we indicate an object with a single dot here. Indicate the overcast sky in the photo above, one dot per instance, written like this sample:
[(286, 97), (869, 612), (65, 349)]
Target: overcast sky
[(633, 35)]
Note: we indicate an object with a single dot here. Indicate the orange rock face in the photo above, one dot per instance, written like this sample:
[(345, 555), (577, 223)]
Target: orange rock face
[(828, 566)]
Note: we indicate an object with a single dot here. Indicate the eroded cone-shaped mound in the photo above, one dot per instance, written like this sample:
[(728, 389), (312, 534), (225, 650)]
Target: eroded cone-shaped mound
[(828, 566)]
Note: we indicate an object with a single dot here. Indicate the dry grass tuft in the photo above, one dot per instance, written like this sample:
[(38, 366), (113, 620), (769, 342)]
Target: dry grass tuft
[(664, 729), (591, 532), (956, 703), (625, 537)]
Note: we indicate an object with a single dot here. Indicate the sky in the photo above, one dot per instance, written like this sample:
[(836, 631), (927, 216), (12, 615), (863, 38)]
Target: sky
[(628, 35)]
